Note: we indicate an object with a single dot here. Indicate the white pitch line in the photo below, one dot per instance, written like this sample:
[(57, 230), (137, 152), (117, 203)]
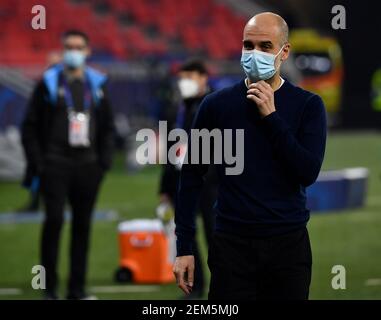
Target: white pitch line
[(373, 282), (10, 291), (124, 289)]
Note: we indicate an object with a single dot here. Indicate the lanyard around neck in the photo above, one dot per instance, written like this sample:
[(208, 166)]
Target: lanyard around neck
[(69, 97)]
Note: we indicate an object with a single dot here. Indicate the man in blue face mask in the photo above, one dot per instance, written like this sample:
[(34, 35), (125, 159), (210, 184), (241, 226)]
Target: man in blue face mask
[(74, 56), (260, 248), (67, 135), (265, 47)]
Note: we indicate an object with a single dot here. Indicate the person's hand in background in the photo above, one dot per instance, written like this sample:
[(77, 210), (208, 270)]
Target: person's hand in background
[(165, 211), (164, 198)]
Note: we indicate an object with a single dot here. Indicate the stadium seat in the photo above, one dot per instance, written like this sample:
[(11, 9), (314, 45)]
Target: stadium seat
[(200, 26)]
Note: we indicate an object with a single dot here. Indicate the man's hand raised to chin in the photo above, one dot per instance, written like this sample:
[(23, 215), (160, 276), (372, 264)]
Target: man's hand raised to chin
[(263, 95)]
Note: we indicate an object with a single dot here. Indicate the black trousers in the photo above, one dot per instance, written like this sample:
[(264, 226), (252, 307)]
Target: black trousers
[(275, 268), (78, 184)]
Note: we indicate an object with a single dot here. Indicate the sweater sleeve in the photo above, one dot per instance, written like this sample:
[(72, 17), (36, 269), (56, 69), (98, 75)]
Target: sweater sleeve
[(302, 154), (191, 181), (30, 127)]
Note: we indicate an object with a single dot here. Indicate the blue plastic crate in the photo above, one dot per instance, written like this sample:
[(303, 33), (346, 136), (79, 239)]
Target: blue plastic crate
[(338, 189)]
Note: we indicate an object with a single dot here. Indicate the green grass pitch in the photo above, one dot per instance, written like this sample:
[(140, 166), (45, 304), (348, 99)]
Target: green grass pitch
[(349, 238)]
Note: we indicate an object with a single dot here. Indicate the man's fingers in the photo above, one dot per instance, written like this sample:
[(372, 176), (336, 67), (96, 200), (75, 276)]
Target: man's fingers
[(257, 93), (182, 285), (263, 87), (190, 276), (255, 98), (184, 272), (179, 274), (264, 83), (259, 85)]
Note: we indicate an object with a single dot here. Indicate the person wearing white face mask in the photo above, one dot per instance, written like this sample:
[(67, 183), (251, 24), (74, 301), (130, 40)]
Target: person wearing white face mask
[(193, 86), (188, 87), (68, 139), (260, 249)]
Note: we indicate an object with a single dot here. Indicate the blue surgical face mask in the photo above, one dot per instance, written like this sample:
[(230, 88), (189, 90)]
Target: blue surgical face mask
[(259, 65), (74, 58)]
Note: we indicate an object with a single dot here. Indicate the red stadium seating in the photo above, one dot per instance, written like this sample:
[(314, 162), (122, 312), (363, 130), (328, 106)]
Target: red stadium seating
[(201, 26)]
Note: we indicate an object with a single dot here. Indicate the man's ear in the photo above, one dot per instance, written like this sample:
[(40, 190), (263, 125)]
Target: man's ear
[(285, 52)]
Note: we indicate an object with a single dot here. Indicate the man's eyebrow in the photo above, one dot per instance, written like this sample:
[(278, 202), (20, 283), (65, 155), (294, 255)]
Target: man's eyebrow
[(268, 42), (262, 43)]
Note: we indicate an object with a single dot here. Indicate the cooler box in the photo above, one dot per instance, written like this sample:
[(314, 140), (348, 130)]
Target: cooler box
[(338, 189), (146, 252)]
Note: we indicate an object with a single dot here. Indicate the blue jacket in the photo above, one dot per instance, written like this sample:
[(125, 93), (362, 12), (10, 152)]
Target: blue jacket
[(51, 76), (38, 120)]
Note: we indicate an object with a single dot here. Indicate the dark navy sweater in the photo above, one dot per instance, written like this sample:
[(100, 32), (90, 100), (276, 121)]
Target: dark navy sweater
[(283, 154)]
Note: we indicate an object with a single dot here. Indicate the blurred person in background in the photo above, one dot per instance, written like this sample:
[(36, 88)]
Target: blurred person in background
[(29, 182), (67, 136), (193, 87), (260, 248)]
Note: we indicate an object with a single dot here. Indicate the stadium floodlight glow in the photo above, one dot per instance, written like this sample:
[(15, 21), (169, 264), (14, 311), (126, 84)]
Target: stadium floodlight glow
[(206, 147)]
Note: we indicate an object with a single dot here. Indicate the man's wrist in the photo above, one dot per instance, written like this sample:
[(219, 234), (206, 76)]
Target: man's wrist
[(267, 114)]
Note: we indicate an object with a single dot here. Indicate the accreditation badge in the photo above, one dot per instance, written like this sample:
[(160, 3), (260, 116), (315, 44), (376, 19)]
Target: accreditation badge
[(180, 156), (79, 127)]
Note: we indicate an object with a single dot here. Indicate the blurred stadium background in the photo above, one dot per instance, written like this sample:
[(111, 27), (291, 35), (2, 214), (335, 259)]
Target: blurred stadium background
[(140, 44)]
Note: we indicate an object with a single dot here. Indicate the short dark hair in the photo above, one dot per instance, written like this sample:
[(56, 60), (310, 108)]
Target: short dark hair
[(194, 65), (78, 33)]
